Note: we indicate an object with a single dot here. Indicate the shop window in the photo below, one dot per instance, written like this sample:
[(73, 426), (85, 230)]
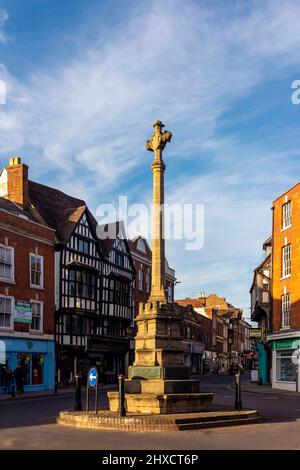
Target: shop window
[(24, 360), (6, 263), (33, 368), (36, 271), (37, 369), (286, 370)]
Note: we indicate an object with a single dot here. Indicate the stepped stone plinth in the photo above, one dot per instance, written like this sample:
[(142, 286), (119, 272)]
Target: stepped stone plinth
[(159, 379)]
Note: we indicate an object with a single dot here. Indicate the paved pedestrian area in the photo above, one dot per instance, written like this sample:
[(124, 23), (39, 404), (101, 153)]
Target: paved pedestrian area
[(31, 424), (5, 397)]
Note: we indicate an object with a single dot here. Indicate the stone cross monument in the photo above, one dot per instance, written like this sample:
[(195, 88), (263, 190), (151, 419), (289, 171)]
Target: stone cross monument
[(159, 380), (157, 145)]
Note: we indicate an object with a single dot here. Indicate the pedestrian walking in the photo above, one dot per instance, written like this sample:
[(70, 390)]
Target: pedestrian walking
[(7, 380), (19, 378)]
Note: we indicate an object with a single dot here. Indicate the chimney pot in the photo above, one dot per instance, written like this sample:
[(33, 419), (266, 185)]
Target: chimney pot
[(15, 161)]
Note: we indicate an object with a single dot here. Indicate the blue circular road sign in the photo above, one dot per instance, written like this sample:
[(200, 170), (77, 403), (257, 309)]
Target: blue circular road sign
[(93, 377)]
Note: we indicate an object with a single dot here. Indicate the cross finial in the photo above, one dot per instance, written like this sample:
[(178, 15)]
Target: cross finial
[(159, 139)]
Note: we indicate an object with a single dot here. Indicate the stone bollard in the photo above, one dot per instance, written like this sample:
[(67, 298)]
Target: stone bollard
[(78, 402), (122, 410)]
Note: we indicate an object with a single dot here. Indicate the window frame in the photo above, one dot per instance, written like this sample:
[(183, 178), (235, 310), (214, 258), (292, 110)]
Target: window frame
[(141, 279), (41, 303), (148, 283), (11, 327), (286, 205), (284, 311), (286, 262), (12, 279), (36, 286)]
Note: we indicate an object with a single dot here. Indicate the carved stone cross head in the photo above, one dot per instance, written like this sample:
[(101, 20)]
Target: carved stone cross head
[(159, 139)]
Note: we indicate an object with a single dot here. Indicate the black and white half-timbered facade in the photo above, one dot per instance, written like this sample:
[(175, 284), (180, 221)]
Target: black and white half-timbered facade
[(93, 292)]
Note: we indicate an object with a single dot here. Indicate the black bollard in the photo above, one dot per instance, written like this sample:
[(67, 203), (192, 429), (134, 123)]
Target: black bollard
[(78, 403), (122, 411), (238, 394), (13, 386)]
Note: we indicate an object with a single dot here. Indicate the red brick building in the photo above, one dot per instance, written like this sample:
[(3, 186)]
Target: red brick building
[(26, 282), (285, 336), (225, 328)]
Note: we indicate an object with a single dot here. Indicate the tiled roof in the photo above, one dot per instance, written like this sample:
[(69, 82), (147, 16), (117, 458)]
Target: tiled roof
[(194, 302), (60, 211), (15, 209)]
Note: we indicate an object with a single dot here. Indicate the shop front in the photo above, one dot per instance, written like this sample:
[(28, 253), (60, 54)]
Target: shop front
[(109, 355), (37, 358), (196, 358), (285, 353)]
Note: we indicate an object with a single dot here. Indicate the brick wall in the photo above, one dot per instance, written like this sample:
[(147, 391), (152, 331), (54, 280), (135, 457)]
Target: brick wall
[(26, 237), (17, 183), (282, 237)]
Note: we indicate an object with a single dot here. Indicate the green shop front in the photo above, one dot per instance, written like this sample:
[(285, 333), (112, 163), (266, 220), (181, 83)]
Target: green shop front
[(285, 354)]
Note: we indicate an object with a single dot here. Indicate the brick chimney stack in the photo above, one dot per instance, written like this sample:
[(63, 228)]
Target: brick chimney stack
[(17, 182)]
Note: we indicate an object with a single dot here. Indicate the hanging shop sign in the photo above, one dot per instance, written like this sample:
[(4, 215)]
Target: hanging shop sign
[(255, 333), (23, 312)]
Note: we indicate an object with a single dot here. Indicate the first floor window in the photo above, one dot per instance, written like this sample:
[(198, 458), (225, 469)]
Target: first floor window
[(36, 270), (286, 310), (6, 263), (6, 314), (37, 316), (286, 370), (140, 279), (148, 282), (286, 260)]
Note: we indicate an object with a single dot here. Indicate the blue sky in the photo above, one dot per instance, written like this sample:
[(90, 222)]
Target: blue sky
[(86, 80)]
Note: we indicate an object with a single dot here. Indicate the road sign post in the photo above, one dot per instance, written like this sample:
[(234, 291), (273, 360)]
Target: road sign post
[(92, 384)]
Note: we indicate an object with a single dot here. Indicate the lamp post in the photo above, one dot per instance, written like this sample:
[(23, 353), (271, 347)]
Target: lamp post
[(238, 393)]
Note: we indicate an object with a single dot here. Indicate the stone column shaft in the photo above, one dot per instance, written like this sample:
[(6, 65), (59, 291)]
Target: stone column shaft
[(158, 239)]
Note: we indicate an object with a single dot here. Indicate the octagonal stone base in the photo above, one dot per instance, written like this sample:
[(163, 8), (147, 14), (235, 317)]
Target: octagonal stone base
[(170, 403)]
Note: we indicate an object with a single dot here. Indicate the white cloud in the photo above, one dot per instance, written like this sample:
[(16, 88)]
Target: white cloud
[(187, 64)]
